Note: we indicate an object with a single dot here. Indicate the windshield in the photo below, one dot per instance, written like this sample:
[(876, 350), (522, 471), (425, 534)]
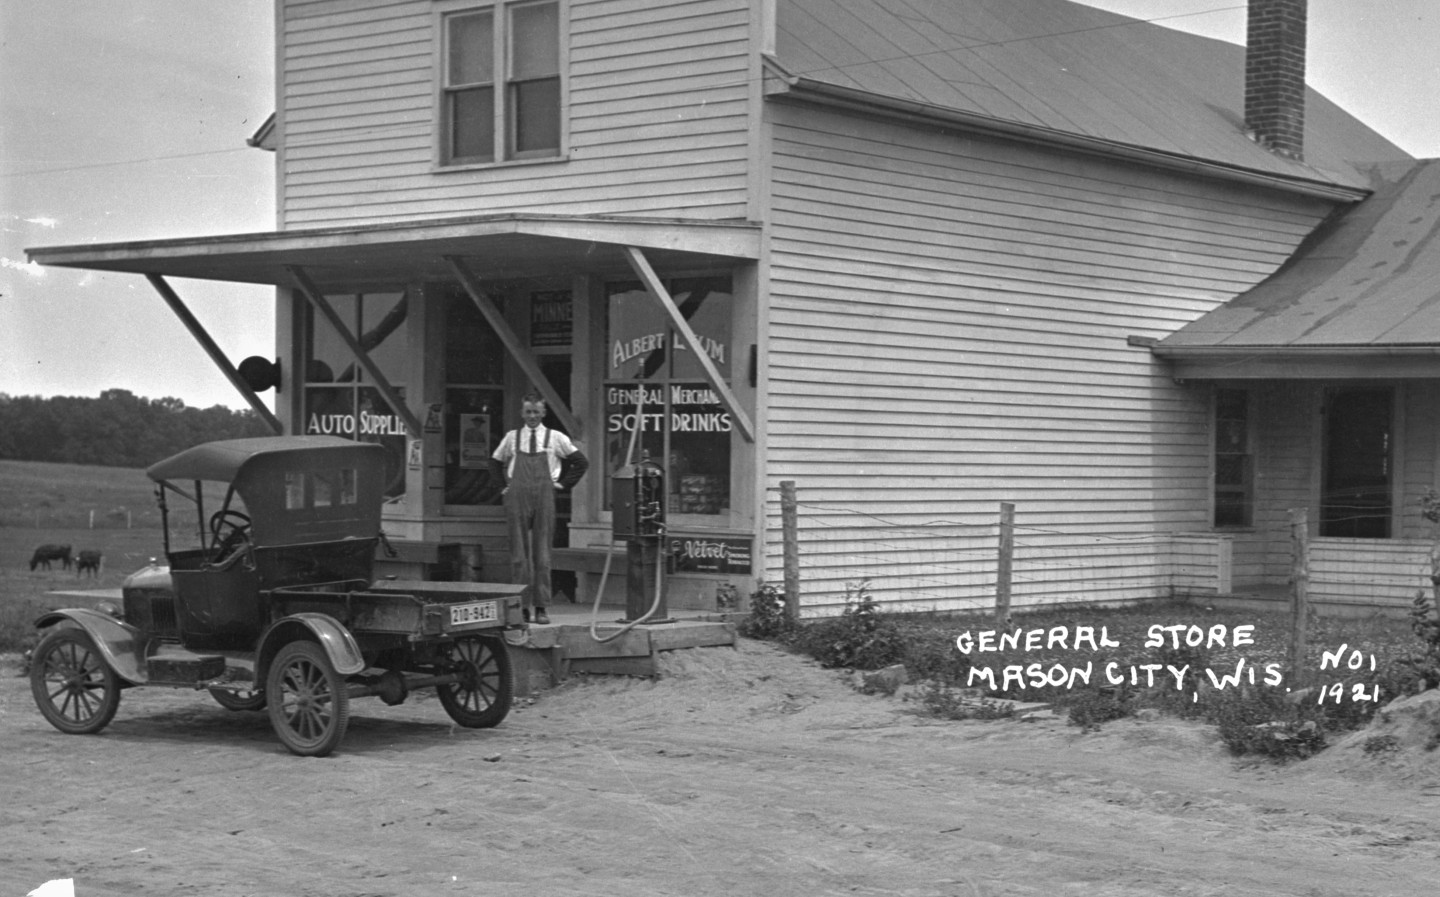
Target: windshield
[(185, 504)]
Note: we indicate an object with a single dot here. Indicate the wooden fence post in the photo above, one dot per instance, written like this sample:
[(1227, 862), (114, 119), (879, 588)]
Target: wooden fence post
[(789, 527), (1005, 564), (1299, 593)]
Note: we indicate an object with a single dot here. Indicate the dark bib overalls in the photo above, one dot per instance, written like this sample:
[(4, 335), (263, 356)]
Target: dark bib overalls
[(530, 511)]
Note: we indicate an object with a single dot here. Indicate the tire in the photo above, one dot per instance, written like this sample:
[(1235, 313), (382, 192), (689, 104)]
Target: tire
[(239, 700), (73, 686), (309, 706), (482, 697)]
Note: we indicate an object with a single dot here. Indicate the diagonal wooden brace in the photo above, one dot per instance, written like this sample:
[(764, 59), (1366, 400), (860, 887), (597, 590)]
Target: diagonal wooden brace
[(379, 380), (657, 291)]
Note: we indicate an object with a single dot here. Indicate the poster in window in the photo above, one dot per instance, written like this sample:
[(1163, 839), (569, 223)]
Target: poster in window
[(474, 441), (552, 319)]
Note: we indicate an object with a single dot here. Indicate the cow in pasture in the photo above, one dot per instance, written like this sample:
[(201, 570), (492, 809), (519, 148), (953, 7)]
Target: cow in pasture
[(88, 562), (47, 553)]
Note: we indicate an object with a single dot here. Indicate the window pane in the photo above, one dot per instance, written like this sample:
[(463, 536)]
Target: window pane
[(1355, 502), (699, 460), (535, 41), (536, 107), (473, 428), (472, 123), (704, 303), (473, 353), (472, 49), (377, 321)]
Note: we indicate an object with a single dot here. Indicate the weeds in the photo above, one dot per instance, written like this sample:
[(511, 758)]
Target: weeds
[(943, 701), (768, 617), (861, 638)]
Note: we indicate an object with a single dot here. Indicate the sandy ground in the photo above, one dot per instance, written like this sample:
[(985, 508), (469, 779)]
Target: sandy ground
[(740, 772)]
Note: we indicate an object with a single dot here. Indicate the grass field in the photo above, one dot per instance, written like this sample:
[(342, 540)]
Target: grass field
[(42, 503)]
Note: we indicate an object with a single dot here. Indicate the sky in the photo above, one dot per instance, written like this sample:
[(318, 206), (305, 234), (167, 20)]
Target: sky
[(127, 120)]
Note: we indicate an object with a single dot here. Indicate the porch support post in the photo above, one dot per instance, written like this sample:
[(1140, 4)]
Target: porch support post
[(523, 356), (211, 349), (391, 396), (657, 291)]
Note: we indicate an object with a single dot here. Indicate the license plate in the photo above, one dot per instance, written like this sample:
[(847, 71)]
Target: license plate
[(479, 612)]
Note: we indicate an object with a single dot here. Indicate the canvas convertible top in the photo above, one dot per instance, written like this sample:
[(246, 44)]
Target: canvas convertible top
[(223, 460)]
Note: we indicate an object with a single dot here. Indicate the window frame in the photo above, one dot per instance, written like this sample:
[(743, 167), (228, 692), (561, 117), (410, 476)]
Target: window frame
[(503, 86), (666, 381), (1246, 487), (1353, 525)]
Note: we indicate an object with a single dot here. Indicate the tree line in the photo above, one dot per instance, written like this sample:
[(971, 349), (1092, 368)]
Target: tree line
[(118, 429)]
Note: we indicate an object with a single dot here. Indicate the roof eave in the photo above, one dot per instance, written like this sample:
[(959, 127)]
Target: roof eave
[(784, 86)]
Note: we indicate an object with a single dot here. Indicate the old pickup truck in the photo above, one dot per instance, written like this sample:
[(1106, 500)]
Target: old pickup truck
[(267, 601)]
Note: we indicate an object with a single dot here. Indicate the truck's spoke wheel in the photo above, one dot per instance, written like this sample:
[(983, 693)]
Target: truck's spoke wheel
[(72, 684), (309, 706), (483, 695)]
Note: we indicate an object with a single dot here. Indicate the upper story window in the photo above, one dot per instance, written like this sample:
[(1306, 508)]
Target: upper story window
[(500, 91)]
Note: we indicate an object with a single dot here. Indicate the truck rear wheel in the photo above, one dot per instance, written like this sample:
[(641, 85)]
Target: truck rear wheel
[(309, 704), (482, 697), (73, 686)]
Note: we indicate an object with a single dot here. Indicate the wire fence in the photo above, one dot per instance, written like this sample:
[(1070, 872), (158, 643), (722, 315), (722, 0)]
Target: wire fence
[(833, 555), (93, 518)]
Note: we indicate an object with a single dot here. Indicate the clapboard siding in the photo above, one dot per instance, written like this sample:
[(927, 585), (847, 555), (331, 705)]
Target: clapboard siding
[(950, 316), (658, 118), (1421, 422)]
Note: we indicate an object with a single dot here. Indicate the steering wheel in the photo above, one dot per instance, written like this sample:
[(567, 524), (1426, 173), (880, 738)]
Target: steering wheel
[(229, 528)]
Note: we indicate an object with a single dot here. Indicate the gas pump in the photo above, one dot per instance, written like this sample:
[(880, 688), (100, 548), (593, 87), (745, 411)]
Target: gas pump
[(638, 519)]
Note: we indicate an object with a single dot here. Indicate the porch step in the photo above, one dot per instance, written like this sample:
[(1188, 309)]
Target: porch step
[(551, 653)]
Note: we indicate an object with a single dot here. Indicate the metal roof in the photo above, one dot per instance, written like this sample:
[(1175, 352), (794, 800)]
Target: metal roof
[(1065, 68), (1368, 277)]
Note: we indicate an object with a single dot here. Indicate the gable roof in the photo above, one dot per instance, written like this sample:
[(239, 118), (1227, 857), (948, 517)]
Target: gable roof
[(1365, 282), (1063, 68)]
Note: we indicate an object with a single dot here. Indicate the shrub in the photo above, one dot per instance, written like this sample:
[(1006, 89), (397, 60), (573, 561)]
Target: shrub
[(1418, 671), (768, 617), (940, 699), (861, 638), (1262, 721), (1089, 707)]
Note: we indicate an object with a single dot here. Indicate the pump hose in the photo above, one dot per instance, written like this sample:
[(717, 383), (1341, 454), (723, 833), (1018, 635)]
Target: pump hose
[(610, 551)]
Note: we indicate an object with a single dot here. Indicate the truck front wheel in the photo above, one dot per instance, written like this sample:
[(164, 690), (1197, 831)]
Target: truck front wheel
[(308, 701), (73, 686)]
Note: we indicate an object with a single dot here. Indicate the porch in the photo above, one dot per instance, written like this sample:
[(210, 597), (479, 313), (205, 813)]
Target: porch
[(547, 655)]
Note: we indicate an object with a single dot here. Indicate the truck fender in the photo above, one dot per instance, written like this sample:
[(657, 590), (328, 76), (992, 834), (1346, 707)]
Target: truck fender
[(122, 645), (340, 646)]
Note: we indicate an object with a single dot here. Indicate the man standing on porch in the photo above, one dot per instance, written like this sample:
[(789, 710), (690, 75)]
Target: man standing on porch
[(530, 461)]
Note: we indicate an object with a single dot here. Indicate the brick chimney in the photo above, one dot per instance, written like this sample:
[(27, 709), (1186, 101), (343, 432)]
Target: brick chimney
[(1275, 75)]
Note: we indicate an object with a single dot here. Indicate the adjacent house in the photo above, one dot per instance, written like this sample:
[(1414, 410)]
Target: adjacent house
[(919, 259)]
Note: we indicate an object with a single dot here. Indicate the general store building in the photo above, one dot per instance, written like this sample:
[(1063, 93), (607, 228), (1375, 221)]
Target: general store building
[(920, 259)]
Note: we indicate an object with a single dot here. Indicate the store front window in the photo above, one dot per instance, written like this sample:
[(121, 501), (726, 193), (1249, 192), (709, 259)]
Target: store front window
[(657, 402), (338, 399), (474, 403)]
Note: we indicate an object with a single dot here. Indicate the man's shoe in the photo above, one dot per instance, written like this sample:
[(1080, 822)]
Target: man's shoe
[(540, 617)]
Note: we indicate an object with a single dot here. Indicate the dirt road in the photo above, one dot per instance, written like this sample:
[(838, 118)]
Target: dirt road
[(741, 772)]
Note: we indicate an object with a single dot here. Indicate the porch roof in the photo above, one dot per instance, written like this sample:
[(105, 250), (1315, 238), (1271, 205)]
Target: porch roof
[(388, 255), (1360, 297)]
